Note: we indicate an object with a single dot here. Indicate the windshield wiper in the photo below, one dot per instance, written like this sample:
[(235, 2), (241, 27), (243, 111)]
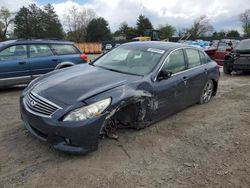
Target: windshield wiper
[(115, 70)]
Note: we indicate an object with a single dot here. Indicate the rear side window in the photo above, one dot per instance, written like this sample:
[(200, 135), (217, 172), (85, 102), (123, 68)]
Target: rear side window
[(17, 52), (193, 58), (64, 49), (203, 58), (175, 62), (40, 50)]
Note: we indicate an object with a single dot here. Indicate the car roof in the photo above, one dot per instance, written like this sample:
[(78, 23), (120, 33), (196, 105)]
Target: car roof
[(33, 41), (246, 40), (156, 44)]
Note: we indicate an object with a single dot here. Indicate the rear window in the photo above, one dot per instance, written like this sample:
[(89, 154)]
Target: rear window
[(64, 49)]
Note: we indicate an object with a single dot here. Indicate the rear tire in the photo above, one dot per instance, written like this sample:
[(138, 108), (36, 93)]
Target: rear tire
[(207, 92), (226, 69)]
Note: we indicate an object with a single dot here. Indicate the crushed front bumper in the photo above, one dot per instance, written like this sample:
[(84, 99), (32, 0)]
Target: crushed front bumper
[(74, 137)]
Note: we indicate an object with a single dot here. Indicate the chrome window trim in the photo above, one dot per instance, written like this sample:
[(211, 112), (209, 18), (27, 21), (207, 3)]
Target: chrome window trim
[(180, 48), (189, 69)]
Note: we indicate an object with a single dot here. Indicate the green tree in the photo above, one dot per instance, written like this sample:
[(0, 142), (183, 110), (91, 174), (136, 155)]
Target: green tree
[(215, 35), (245, 20), (142, 24), (98, 30), (166, 31), (222, 34), (123, 28), (22, 27), (35, 22), (233, 33), (126, 31), (52, 26), (6, 18)]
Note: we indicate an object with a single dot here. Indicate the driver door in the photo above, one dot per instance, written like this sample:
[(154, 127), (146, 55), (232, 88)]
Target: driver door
[(171, 93)]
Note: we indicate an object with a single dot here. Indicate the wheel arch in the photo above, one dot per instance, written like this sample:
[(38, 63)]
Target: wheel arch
[(215, 86), (64, 65)]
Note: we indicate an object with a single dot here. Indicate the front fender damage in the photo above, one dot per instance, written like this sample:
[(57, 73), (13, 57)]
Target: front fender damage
[(134, 111)]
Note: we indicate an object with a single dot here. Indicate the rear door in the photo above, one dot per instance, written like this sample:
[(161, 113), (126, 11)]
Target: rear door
[(14, 65), (42, 59), (196, 74), (67, 53)]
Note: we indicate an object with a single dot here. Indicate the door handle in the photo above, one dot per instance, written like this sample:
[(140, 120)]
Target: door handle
[(22, 63), (205, 70), (184, 80), (54, 59)]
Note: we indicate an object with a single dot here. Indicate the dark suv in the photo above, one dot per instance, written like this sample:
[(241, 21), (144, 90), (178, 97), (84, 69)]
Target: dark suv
[(239, 58), (25, 59)]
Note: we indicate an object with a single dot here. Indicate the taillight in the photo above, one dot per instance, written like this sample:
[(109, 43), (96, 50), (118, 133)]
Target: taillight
[(84, 57)]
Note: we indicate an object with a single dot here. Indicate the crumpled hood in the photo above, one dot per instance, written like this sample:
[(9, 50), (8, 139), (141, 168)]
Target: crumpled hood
[(74, 84)]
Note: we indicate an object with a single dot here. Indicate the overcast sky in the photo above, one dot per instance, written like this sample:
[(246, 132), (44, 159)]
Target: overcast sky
[(224, 14)]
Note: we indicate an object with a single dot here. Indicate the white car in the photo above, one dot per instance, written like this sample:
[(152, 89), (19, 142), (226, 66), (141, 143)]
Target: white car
[(108, 47)]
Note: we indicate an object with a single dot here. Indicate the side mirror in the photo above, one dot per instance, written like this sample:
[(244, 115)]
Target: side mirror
[(163, 75)]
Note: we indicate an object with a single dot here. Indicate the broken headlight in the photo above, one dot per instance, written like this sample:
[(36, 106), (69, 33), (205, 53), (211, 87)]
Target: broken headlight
[(89, 111)]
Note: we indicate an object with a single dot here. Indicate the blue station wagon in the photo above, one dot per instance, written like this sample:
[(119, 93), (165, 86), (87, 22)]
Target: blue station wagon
[(25, 59)]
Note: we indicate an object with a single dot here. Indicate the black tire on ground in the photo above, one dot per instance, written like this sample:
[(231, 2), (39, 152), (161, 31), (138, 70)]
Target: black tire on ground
[(226, 69), (246, 72), (207, 92)]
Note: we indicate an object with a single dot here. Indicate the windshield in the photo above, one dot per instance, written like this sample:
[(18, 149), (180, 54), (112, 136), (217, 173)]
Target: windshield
[(130, 60), (243, 45)]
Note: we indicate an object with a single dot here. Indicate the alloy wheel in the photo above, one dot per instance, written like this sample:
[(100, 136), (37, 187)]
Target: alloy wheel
[(207, 92)]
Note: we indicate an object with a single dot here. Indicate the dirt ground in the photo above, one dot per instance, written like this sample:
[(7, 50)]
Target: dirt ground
[(202, 146)]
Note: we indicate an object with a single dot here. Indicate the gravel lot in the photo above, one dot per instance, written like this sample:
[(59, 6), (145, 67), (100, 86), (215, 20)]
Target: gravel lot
[(202, 146)]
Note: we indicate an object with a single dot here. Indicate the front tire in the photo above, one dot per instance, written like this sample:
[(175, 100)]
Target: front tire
[(226, 68), (207, 92)]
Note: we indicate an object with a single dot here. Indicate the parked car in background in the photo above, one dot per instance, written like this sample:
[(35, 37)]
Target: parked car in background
[(239, 58), (108, 47), (219, 52), (25, 59), (117, 44), (134, 85)]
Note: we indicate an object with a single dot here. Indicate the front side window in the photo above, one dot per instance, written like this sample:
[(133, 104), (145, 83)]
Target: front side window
[(130, 60), (175, 62), (193, 58), (40, 50), (17, 52), (64, 49)]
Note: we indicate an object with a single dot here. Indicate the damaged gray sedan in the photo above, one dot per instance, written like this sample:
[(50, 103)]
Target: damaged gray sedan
[(133, 85)]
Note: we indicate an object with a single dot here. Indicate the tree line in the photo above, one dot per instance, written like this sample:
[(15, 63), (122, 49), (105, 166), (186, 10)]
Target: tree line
[(80, 25)]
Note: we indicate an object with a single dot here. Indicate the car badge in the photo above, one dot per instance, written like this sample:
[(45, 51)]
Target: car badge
[(33, 103)]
